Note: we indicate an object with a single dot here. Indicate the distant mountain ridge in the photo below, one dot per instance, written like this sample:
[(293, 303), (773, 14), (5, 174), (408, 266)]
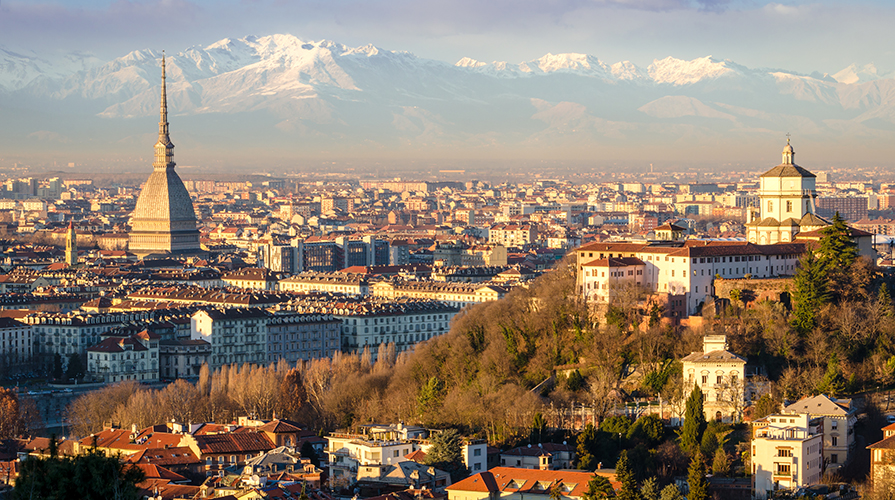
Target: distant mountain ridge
[(323, 90)]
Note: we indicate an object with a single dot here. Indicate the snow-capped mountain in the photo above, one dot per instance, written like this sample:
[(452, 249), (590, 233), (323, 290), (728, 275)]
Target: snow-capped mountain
[(280, 89)]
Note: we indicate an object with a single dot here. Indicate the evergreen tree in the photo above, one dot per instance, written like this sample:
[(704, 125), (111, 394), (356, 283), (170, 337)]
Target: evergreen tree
[(721, 463), (696, 479), (586, 443), (57, 366), (75, 367), (837, 248), (671, 492), (811, 291), (92, 475), (538, 428), (694, 421), (625, 476), (598, 487), (649, 489), (446, 454), (833, 383)]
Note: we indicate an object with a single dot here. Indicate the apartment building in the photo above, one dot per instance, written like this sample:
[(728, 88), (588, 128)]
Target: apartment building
[(16, 341), (839, 419), (295, 337), (135, 357), (236, 335), (787, 453)]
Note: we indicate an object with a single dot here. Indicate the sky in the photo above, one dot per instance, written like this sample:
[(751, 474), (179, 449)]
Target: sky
[(803, 36)]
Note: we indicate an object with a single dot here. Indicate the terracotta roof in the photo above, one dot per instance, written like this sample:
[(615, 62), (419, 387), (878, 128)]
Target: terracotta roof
[(177, 455), (616, 262), (279, 426), (788, 170), (233, 442), (512, 480), (153, 471), (886, 444)]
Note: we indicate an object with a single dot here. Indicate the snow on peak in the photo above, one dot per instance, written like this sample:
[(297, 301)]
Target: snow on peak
[(680, 72), (468, 62), (626, 70), (576, 63), (855, 74)]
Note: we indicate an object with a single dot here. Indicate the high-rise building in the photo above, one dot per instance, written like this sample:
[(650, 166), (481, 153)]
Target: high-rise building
[(164, 221)]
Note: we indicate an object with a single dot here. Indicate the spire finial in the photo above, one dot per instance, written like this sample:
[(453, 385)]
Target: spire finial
[(164, 149)]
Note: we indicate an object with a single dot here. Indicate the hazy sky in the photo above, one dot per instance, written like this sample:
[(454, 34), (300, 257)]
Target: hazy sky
[(802, 36)]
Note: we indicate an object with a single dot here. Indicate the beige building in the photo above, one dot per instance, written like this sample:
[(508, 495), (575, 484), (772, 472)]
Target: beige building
[(787, 453), (882, 459), (236, 335), (454, 294), (311, 281), (720, 374), (839, 418)]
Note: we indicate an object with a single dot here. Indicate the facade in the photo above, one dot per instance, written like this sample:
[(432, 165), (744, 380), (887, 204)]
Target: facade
[(310, 281), (720, 374), (787, 453), (295, 337), (348, 453), (164, 221), (16, 341), (839, 419), (236, 335), (682, 271), (544, 456), (851, 208), (67, 334), (513, 235), (251, 278), (454, 294), (71, 245), (231, 449), (183, 358), (786, 207), (403, 322), (125, 358)]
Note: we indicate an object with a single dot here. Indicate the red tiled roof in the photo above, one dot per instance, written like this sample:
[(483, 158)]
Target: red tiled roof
[(233, 442)]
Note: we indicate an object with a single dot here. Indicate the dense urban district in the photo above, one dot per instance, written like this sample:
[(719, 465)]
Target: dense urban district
[(458, 340)]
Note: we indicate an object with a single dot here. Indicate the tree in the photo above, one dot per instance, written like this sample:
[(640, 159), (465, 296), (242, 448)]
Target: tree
[(837, 248), (649, 489), (625, 476), (833, 382), (811, 291), (696, 479), (598, 487), (538, 427), (308, 451), (430, 394), (10, 416), (575, 382), (721, 463), (92, 475), (671, 492), (446, 453), (766, 405), (75, 368), (57, 366), (694, 421), (586, 442), (648, 428)]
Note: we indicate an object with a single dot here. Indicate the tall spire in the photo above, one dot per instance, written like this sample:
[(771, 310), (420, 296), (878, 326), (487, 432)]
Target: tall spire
[(164, 148)]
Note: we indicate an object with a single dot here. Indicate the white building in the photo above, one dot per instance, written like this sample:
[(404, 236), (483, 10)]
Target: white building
[(720, 374), (125, 358), (310, 281), (787, 453), (839, 418), (683, 271)]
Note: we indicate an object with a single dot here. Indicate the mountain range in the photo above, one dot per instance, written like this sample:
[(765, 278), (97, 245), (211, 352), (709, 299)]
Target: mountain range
[(281, 97)]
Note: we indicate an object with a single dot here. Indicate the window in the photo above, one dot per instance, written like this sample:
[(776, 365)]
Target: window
[(705, 379), (834, 424), (477, 452), (782, 469), (834, 458), (477, 466), (718, 379), (784, 452), (834, 441)]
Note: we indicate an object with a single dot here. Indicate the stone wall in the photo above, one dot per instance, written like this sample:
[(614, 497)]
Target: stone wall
[(756, 290)]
